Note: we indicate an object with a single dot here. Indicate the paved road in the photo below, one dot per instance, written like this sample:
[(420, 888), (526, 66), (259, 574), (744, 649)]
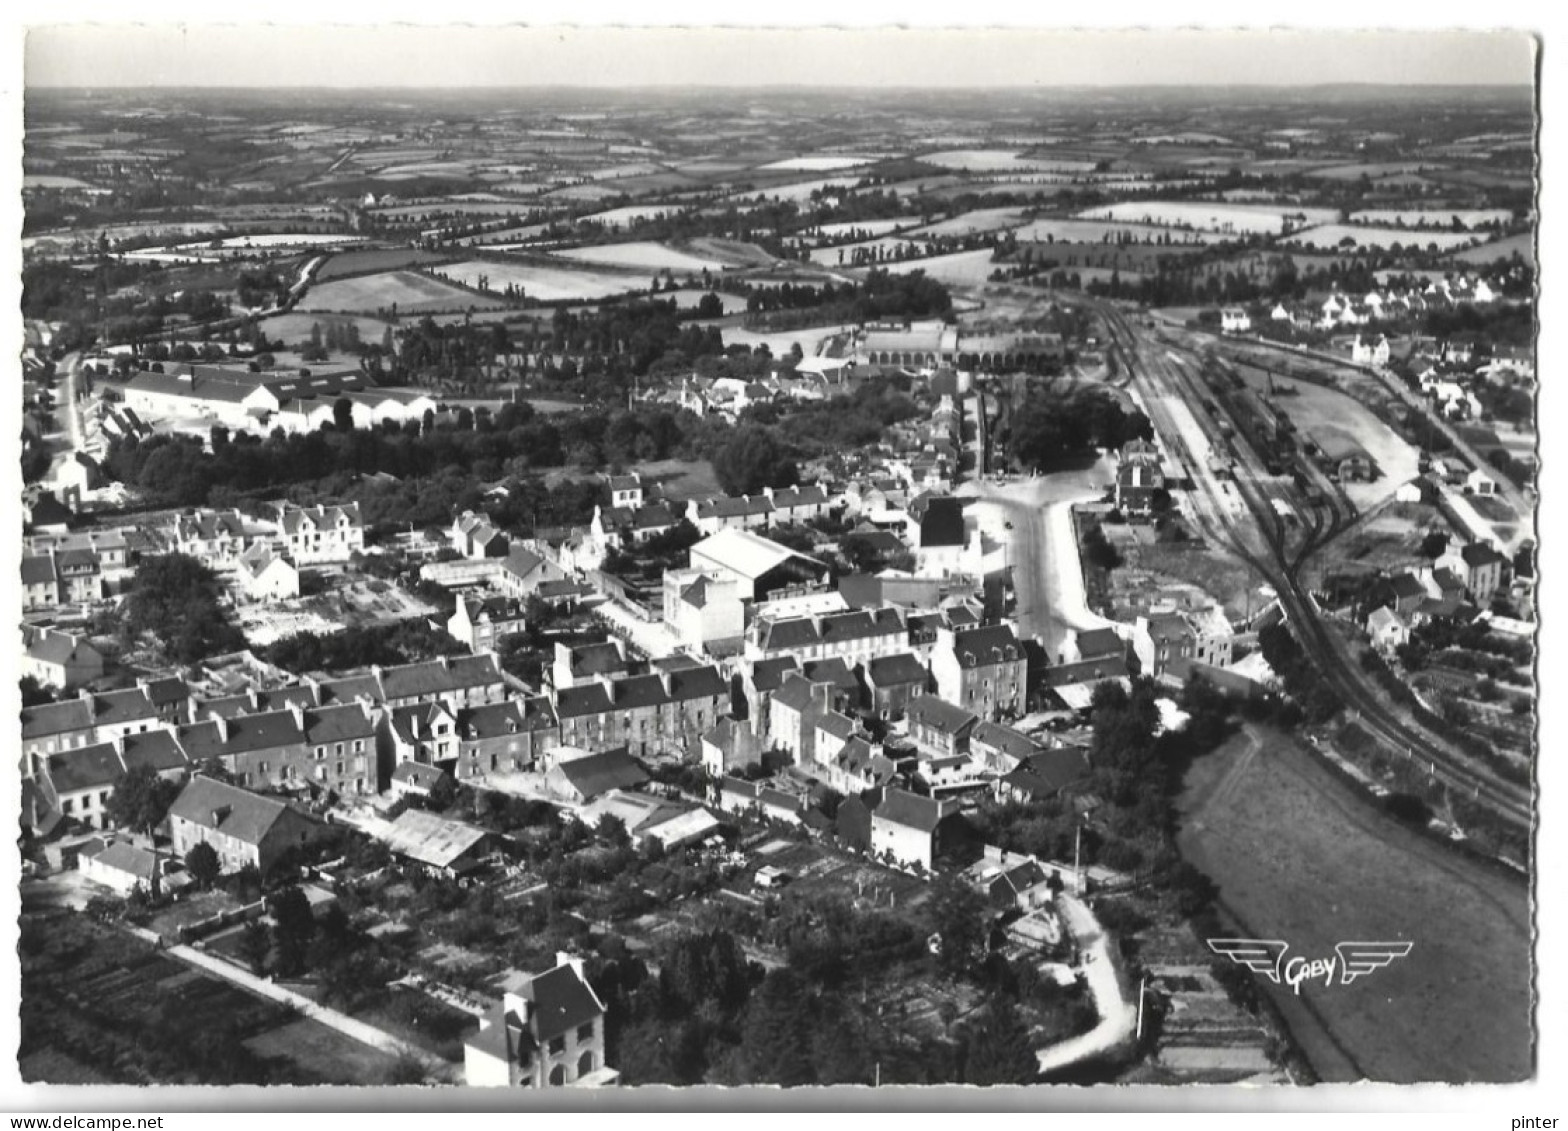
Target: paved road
[(1042, 552)]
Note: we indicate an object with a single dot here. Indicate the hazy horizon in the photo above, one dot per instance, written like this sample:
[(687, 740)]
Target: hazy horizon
[(505, 57)]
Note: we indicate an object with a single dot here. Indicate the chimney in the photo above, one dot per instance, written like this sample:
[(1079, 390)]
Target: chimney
[(299, 715), (446, 663), (119, 746)]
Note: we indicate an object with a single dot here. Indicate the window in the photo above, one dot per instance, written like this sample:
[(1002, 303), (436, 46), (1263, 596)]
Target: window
[(338, 750), (585, 1033), (67, 805), (321, 772), (584, 1064), (359, 746), (263, 767), (340, 769), (321, 752), (557, 1045)]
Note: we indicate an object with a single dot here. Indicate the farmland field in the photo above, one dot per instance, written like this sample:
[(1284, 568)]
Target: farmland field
[(843, 255), (795, 191), (631, 214), (1241, 218), (869, 227), (1432, 218), (435, 209), (1523, 245), (294, 329), (980, 220), (374, 259), (998, 160), (549, 284), (1105, 231), (1330, 236), (963, 267), (412, 293), (1302, 856), (687, 298), (823, 163), (1376, 169), (641, 255)]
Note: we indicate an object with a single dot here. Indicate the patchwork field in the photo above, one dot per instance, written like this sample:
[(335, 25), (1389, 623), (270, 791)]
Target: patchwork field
[(1522, 245), (547, 284), (1333, 235), (980, 220), (1244, 218), (822, 163), (410, 292), (999, 160), (962, 268), (631, 214), (868, 227), (795, 191), (435, 209), (845, 254), (1433, 218), (641, 254), (1299, 855), (360, 262), (1109, 231), (294, 329)]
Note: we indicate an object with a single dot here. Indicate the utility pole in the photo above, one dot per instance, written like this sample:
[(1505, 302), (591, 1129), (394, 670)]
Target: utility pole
[(1142, 985)]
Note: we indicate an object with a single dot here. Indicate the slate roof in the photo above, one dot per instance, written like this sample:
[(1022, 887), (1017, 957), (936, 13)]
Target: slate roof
[(436, 676), (1004, 738), (599, 773), (56, 718), (839, 726), (901, 807), (336, 724), (891, 671), (88, 767), (639, 691), (942, 524), (1480, 554), (1049, 771), (1169, 626), (561, 1003), (122, 856), (155, 748), (1100, 642), (1408, 585), (795, 693), (769, 675), (589, 699), (53, 647), (833, 671), (249, 817), (268, 731), (596, 659), (992, 644), (940, 715), (697, 683), (293, 519), (38, 569), (513, 716)]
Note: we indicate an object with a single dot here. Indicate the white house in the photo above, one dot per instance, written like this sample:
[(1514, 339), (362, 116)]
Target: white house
[(266, 575)]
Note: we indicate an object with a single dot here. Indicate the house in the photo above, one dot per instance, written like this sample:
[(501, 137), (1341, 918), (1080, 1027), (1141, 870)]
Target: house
[(940, 728), (906, 828), (619, 528), (937, 531), (893, 681), (759, 680), (576, 666), (1387, 629), (1479, 482), (762, 567), (855, 636), (844, 692), (1095, 644), (122, 867), (626, 491), (1025, 886), (242, 827), (582, 779), (59, 659), (998, 748), (523, 572), (265, 575), (730, 745), (77, 784), (216, 538), (744, 512), (1173, 639), (1234, 320), (797, 504), (91, 717), (1370, 353), (547, 1033), (796, 707), (983, 670), (441, 845), (1043, 774), (40, 582), (1408, 591), (704, 611), (475, 537), (315, 535), (504, 737), (1139, 475), (482, 622), (1479, 567), (412, 779)]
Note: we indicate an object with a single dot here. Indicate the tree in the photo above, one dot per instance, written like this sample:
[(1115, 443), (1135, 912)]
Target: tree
[(959, 915), (999, 1049), (255, 945), (203, 864), (179, 600), (1433, 545), (293, 926), (343, 414), (777, 1035), (141, 800), (753, 458)]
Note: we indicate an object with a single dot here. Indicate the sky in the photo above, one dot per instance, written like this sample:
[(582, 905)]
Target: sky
[(390, 55)]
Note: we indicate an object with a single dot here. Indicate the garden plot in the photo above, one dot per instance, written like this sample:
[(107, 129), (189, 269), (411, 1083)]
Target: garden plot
[(643, 254), (1335, 235), (1229, 218), (1433, 218), (543, 283), (980, 220), (1108, 231), (411, 293)]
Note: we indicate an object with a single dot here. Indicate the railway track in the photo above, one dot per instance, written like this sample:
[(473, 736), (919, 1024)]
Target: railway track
[(1160, 379)]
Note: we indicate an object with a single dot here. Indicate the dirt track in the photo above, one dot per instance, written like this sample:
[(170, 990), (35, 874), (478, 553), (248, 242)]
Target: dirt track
[(1299, 855)]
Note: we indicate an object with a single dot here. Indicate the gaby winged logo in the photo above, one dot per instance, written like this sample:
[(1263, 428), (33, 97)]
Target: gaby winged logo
[(1351, 960)]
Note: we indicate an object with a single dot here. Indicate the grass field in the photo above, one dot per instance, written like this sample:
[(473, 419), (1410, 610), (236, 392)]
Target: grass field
[(969, 268), (1299, 855), (869, 227), (1243, 218), (549, 284), (999, 160), (294, 329), (1331, 235), (1522, 245), (641, 255), (411, 293), (980, 220), (374, 259), (822, 163), (843, 255), (1105, 231)]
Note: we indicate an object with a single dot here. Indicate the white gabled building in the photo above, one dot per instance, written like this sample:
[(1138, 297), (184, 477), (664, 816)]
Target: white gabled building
[(314, 535)]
